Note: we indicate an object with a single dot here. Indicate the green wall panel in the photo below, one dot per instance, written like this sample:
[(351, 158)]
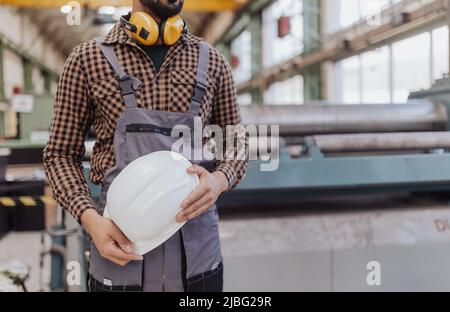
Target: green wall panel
[(39, 119)]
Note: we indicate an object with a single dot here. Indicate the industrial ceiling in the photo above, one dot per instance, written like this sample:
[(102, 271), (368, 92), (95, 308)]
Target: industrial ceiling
[(48, 15)]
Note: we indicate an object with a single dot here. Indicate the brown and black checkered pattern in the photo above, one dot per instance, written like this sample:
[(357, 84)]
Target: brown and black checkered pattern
[(88, 95)]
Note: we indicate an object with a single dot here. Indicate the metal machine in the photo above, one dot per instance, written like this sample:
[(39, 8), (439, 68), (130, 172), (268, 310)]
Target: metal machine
[(343, 149), (336, 149), (329, 236)]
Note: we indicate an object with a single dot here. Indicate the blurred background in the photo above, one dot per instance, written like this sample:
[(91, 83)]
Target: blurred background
[(361, 92)]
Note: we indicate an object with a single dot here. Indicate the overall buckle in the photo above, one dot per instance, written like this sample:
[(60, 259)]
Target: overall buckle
[(199, 93), (129, 84)]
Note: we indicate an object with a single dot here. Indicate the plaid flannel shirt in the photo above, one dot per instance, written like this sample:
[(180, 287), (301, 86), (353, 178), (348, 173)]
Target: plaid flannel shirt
[(88, 95)]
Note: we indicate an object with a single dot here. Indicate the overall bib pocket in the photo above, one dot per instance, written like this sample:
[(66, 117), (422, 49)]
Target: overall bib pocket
[(142, 139)]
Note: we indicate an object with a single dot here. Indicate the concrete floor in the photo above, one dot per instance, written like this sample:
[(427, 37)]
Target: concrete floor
[(317, 249), (24, 247), (330, 251), (323, 249)]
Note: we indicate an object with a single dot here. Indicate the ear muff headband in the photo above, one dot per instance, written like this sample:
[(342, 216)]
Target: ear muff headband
[(132, 28), (162, 26), (145, 29)]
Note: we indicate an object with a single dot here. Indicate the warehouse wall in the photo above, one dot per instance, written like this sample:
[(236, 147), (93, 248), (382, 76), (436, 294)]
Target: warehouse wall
[(30, 61), (22, 31), (13, 72)]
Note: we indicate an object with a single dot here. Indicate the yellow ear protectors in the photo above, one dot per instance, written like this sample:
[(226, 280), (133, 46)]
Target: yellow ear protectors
[(172, 30), (145, 29)]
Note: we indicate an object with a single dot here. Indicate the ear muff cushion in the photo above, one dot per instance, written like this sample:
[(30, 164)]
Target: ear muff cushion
[(172, 30), (147, 29)]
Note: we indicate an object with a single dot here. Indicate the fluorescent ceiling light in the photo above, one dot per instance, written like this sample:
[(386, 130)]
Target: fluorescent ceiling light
[(66, 9), (107, 10)]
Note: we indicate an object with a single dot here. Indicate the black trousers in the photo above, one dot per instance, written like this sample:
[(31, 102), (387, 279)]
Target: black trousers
[(211, 281)]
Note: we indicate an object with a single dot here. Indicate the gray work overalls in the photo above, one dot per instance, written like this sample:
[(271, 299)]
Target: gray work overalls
[(191, 255)]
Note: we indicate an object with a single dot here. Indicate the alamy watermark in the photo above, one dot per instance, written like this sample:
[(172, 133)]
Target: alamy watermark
[(373, 277), (73, 277), (234, 142), (373, 11), (73, 11)]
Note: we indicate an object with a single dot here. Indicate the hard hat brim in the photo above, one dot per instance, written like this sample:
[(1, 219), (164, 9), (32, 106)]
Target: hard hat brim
[(143, 248)]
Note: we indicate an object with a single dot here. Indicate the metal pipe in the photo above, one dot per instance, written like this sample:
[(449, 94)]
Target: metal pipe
[(372, 142), (310, 119)]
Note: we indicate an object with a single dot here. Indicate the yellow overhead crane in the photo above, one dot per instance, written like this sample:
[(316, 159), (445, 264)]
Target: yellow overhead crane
[(189, 5)]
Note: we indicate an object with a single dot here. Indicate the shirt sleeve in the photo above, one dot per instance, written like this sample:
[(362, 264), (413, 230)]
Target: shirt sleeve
[(225, 112), (63, 154)]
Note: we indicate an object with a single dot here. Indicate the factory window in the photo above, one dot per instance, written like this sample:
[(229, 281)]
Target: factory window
[(375, 76), (244, 99), (440, 52), (351, 11), (283, 29), (241, 57), (351, 80), (286, 92), (363, 78), (390, 73), (411, 64)]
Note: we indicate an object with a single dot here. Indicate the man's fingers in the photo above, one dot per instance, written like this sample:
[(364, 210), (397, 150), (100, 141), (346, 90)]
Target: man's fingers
[(197, 170), (194, 196), (206, 199), (115, 252), (118, 261), (121, 240), (198, 212)]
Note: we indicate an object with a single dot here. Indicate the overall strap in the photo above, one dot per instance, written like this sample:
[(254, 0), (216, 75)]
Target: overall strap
[(127, 83), (202, 78)]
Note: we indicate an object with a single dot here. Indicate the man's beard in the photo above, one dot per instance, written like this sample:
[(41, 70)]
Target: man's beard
[(163, 10)]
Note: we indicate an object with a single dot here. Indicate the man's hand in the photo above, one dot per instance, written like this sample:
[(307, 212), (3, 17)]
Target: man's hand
[(205, 196), (108, 239)]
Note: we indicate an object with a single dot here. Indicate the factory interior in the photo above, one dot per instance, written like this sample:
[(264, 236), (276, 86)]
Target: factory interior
[(360, 90)]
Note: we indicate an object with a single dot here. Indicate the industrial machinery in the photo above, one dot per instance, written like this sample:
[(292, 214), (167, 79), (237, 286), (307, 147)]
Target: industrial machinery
[(330, 148), (347, 197), (337, 149), (440, 91)]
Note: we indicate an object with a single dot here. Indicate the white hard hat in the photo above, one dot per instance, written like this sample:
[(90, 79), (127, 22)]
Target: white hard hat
[(144, 199)]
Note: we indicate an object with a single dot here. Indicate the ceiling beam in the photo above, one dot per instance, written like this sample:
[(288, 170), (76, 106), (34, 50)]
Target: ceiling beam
[(189, 5)]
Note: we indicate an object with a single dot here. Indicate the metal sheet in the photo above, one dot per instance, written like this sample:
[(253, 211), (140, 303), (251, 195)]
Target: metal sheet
[(371, 142), (317, 174), (338, 118)]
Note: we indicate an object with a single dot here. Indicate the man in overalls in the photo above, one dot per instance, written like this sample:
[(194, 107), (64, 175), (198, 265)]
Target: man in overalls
[(129, 88)]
